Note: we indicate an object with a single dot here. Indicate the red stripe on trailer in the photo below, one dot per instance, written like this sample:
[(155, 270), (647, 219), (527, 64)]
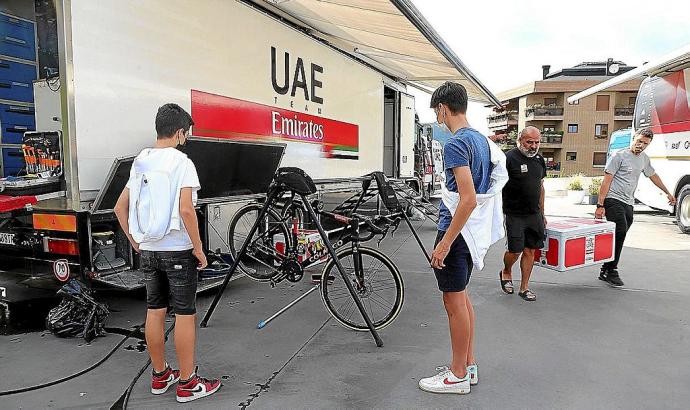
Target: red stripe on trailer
[(217, 116)]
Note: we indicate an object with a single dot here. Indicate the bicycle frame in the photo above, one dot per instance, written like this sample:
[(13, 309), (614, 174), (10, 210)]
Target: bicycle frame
[(351, 228)]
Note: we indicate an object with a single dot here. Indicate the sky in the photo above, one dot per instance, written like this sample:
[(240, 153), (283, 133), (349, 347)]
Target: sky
[(505, 43)]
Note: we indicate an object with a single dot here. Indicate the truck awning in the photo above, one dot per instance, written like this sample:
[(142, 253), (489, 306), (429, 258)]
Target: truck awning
[(671, 62), (390, 35)]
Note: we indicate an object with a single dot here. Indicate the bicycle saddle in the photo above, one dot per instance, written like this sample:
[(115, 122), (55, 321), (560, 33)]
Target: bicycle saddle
[(295, 179)]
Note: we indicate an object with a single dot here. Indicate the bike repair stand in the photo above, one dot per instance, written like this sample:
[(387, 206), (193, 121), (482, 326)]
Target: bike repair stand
[(416, 236), (264, 322), (365, 186), (272, 194)]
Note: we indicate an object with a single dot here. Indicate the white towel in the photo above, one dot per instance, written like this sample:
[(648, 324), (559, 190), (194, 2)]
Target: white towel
[(485, 225)]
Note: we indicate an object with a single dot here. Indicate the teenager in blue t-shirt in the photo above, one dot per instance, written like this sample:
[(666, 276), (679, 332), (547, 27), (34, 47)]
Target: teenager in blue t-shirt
[(467, 166)]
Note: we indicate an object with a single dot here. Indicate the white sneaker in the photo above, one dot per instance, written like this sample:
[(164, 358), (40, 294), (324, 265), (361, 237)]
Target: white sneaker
[(473, 370), (474, 375), (446, 382)]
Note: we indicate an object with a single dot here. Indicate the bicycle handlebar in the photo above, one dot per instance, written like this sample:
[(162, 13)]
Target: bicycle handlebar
[(373, 228), (370, 222)]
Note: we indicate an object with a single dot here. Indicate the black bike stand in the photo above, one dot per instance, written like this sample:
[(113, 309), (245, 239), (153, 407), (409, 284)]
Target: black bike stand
[(416, 236), (284, 309), (273, 193), (262, 324)]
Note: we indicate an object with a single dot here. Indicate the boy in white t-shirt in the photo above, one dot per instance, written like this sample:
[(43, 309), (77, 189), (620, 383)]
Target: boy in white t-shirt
[(156, 211)]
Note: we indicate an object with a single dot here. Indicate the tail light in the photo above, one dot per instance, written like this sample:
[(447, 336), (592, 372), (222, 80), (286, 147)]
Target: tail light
[(61, 246)]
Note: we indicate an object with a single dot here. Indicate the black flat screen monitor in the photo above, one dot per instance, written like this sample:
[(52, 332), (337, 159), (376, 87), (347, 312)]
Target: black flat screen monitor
[(229, 168)]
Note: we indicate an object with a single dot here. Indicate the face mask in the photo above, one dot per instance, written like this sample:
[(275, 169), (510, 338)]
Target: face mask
[(180, 143), (442, 123)]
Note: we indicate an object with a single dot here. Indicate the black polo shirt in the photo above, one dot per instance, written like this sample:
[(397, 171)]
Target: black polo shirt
[(522, 192)]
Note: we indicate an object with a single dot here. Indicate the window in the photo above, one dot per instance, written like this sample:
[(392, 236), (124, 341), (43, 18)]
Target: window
[(631, 101), (601, 131), (571, 156), (572, 128), (549, 101), (603, 102), (599, 159), (549, 128)]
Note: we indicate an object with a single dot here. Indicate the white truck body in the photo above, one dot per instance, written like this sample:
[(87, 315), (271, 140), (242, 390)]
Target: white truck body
[(134, 65), (663, 104), (255, 71)]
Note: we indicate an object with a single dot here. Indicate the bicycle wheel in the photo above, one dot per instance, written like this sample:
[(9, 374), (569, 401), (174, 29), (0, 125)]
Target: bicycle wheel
[(381, 291), (267, 247)]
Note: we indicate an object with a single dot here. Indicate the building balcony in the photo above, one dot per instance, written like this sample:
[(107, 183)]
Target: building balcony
[(551, 139), (540, 112), (624, 113), (502, 120)]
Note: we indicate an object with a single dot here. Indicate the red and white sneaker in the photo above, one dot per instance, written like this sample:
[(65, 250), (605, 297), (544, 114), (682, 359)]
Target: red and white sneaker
[(446, 382), (161, 384), (196, 388)]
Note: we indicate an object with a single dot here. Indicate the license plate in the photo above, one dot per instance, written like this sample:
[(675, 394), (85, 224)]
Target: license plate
[(6, 238)]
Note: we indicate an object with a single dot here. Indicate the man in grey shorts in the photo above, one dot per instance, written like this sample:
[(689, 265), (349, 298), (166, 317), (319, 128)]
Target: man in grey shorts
[(616, 196)]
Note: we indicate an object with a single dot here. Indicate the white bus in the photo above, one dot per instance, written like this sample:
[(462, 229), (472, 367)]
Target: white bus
[(663, 104)]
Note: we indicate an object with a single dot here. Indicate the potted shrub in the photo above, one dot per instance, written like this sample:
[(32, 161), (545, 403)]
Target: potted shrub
[(594, 191), (576, 191)]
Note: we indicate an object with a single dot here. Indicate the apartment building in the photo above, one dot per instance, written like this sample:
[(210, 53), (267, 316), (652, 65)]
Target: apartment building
[(575, 137)]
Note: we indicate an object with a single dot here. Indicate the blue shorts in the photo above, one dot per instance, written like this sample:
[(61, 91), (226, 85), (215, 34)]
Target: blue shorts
[(455, 276)]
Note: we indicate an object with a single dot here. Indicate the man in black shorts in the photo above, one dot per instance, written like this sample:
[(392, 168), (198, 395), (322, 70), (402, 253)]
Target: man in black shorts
[(467, 171), (156, 212), (523, 205)]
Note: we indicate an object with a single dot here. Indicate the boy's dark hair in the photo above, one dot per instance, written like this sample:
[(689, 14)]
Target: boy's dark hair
[(451, 94), (644, 132), (170, 118)]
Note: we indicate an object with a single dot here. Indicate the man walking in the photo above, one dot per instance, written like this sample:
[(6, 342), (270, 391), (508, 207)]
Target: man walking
[(156, 212), (467, 170), (616, 195), (523, 205)]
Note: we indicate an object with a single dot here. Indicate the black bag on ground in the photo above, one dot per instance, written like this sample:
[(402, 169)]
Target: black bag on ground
[(78, 314)]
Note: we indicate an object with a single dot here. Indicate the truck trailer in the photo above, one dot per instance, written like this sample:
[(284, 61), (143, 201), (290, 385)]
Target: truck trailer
[(318, 85)]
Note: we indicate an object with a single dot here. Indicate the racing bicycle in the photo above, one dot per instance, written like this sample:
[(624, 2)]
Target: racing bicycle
[(282, 249)]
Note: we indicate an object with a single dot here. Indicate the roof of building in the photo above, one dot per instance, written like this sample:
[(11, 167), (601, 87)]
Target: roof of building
[(589, 69), (573, 79)]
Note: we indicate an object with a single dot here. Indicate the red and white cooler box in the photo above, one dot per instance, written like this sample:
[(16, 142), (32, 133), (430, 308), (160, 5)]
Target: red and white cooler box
[(575, 243)]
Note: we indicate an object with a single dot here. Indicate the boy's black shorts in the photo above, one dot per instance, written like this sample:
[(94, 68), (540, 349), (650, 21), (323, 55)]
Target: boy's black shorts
[(171, 280), (455, 276), (524, 231)]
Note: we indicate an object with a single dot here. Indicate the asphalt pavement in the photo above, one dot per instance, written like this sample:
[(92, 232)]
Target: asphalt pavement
[(582, 344)]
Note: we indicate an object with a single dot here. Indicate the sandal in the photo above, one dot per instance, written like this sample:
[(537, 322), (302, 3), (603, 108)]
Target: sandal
[(506, 285), (528, 295)]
